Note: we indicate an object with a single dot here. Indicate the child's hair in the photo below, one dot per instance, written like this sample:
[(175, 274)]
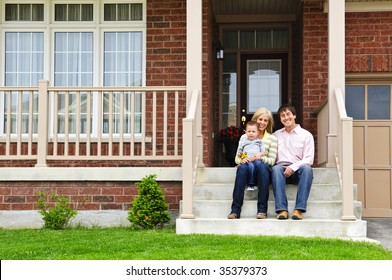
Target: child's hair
[(251, 123)]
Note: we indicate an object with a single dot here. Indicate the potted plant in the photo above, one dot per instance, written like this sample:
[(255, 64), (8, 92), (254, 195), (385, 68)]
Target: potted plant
[(230, 136)]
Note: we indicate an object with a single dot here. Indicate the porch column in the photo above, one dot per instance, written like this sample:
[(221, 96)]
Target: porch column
[(192, 138), (194, 28), (336, 69)]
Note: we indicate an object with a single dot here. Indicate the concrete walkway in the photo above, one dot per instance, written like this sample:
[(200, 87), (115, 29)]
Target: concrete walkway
[(380, 229)]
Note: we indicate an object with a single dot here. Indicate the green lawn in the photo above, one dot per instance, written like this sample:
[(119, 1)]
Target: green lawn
[(127, 244)]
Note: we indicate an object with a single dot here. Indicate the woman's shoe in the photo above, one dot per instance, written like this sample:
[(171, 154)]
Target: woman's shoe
[(233, 216), (261, 216)]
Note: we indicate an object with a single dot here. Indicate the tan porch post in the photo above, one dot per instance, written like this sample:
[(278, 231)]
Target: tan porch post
[(42, 146), (194, 51), (336, 69), (193, 83)]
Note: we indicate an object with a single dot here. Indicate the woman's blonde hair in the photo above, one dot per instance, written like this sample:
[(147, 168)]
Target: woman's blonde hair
[(264, 111)]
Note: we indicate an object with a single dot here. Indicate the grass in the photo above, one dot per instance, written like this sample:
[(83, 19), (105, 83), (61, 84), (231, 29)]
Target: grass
[(127, 244)]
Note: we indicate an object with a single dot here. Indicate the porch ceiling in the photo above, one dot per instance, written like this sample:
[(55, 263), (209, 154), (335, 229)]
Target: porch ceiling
[(226, 8)]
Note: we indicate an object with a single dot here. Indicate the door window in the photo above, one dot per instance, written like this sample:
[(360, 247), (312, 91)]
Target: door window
[(368, 102), (264, 84)]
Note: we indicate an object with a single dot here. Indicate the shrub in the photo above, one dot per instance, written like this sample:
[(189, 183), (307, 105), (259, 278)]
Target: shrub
[(149, 209), (58, 216)]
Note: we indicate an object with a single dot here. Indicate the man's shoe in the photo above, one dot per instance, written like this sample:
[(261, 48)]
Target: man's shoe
[(283, 215), (297, 215)]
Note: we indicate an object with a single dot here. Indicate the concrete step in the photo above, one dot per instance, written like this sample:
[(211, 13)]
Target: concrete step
[(209, 191), (213, 198), (272, 227), (227, 175), (315, 209)]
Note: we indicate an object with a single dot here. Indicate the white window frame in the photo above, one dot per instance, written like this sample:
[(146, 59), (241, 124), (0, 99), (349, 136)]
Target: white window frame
[(98, 26)]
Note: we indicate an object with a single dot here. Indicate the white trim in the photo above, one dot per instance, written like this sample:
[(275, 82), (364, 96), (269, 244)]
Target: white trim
[(89, 173), (359, 7)]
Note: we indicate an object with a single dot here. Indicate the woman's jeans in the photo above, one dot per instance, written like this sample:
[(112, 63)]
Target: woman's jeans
[(241, 179), (303, 177)]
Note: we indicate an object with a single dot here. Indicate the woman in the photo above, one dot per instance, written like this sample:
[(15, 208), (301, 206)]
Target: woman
[(263, 161)]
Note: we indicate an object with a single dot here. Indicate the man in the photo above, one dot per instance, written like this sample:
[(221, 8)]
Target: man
[(294, 164)]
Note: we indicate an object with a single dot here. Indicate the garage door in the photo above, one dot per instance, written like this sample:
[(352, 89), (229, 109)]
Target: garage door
[(370, 107)]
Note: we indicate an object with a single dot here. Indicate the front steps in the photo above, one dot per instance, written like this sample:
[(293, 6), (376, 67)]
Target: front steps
[(212, 204)]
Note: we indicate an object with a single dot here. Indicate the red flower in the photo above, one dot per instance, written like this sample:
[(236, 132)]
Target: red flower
[(231, 133)]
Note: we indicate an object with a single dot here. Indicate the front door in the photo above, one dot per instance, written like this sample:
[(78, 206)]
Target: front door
[(264, 83)]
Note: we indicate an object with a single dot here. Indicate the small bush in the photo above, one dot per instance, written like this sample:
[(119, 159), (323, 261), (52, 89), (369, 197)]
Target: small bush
[(149, 209), (58, 216)]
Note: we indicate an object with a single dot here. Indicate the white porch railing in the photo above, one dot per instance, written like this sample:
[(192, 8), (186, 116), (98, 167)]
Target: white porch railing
[(191, 159), (91, 123), (344, 149), (344, 156)]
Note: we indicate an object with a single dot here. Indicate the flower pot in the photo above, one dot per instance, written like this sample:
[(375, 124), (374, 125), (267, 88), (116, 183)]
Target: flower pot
[(230, 151)]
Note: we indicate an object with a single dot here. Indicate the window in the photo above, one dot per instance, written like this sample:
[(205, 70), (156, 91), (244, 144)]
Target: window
[(98, 52), (73, 59), (264, 74), (123, 67), (368, 102), (123, 12), (73, 12), (256, 39), (73, 62), (24, 12), (24, 58)]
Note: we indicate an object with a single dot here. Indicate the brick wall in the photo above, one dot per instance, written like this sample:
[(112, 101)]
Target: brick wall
[(166, 43), (315, 62), (166, 55), (96, 195), (209, 64), (368, 42)]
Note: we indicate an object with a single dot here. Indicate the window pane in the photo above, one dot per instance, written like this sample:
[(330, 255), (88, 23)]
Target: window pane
[(263, 39), (87, 12), (60, 13), (110, 12), (122, 54), (281, 39), (24, 12), (24, 58), (122, 49), (38, 12), (264, 84), (355, 102), (73, 12), (379, 100), (73, 58), (230, 39), (247, 39), (136, 11), (123, 12), (11, 12), (229, 90)]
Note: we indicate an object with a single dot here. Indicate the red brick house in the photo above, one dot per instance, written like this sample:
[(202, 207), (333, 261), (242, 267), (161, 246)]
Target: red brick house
[(94, 95)]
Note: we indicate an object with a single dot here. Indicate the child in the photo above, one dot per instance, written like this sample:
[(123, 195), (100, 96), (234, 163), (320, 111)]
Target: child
[(248, 147)]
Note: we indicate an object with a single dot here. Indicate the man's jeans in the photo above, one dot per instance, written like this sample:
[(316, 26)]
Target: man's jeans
[(241, 179), (303, 177)]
